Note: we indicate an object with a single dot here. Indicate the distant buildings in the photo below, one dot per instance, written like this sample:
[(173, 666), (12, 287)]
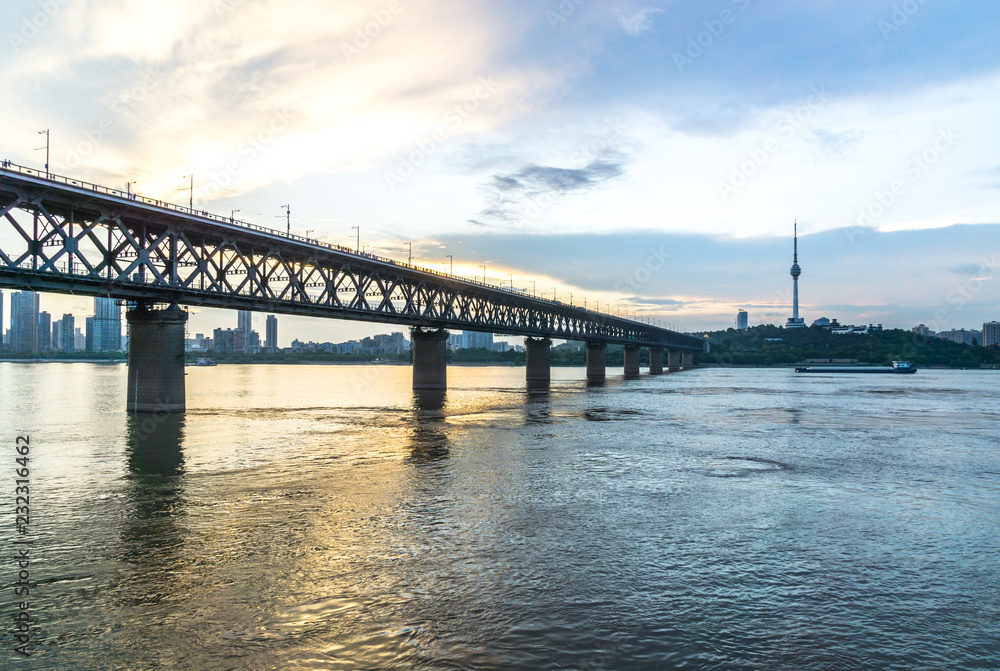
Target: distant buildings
[(991, 334), (44, 332), (477, 340), (67, 330), (244, 326), (742, 320), (24, 321), (962, 336), (105, 330), (271, 333)]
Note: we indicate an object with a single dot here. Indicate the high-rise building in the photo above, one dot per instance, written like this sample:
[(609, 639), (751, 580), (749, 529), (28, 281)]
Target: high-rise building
[(271, 333), (476, 340), (56, 341), (742, 320), (44, 342), (991, 334), (24, 321), (67, 340), (107, 325), (795, 322), (244, 324), (89, 343)]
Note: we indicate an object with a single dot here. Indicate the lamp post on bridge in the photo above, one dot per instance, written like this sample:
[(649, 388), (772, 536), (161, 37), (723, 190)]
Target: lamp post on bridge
[(555, 296), (232, 216), (190, 190), (511, 276), (288, 219), (533, 294), (128, 187), (358, 229), (484, 273), (409, 258), (451, 258), (46, 147)]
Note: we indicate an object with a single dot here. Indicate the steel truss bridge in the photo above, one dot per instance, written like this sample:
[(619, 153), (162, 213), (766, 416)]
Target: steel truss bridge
[(67, 236)]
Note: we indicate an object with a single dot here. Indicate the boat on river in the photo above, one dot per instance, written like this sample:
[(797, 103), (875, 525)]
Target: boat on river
[(897, 368)]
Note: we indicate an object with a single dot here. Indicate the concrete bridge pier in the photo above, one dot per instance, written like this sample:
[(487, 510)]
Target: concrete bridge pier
[(156, 359), (537, 361), (673, 360), (655, 361), (688, 360), (430, 359), (596, 359), (631, 361)]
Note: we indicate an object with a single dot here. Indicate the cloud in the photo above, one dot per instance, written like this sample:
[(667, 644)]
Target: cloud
[(534, 186), (639, 22)]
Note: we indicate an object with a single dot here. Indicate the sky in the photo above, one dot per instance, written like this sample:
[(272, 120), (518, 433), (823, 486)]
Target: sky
[(650, 157)]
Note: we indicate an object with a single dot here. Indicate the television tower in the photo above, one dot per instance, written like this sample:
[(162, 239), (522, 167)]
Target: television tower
[(795, 321)]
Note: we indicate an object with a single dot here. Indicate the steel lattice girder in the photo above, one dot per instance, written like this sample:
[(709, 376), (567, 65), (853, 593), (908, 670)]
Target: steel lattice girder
[(92, 243)]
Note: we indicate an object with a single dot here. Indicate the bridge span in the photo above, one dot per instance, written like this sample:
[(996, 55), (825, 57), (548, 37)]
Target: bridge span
[(68, 236)]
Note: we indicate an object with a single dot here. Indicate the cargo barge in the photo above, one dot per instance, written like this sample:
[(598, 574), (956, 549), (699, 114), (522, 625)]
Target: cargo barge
[(898, 367)]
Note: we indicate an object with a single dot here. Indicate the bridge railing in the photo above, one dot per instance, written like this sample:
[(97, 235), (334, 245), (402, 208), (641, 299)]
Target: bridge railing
[(204, 214)]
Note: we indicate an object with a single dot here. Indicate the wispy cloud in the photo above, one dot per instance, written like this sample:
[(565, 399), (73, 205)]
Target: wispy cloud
[(637, 22), (513, 191)]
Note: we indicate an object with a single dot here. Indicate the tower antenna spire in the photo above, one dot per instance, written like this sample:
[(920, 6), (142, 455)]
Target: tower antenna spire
[(795, 321)]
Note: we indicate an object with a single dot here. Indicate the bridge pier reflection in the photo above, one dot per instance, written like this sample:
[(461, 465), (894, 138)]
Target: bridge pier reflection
[(156, 359), (430, 359), (596, 360), (538, 369), (655, 361)]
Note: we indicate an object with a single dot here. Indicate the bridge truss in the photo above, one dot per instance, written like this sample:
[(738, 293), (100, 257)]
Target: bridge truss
[(67, 236)]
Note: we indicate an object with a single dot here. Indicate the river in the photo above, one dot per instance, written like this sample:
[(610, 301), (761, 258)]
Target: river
[(323, 517)]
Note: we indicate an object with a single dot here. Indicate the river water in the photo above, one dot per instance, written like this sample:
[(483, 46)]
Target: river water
[(323, 517)]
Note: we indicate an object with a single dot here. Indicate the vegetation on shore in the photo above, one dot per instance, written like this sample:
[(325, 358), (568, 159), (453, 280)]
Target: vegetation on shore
[(771, 345)]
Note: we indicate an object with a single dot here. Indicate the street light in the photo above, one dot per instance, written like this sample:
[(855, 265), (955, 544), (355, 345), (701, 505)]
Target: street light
[(128, 187), (511, 276), (571, 298), (409, 259), (288, 218), (191, 190), (532, 288), (484, 273), (308, 231), (46, 134), (232, 216), (452, 259), (554, 294), (358, 229)]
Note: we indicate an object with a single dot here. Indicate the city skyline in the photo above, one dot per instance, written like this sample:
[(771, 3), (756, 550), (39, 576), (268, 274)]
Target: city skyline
[(570, 153)]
